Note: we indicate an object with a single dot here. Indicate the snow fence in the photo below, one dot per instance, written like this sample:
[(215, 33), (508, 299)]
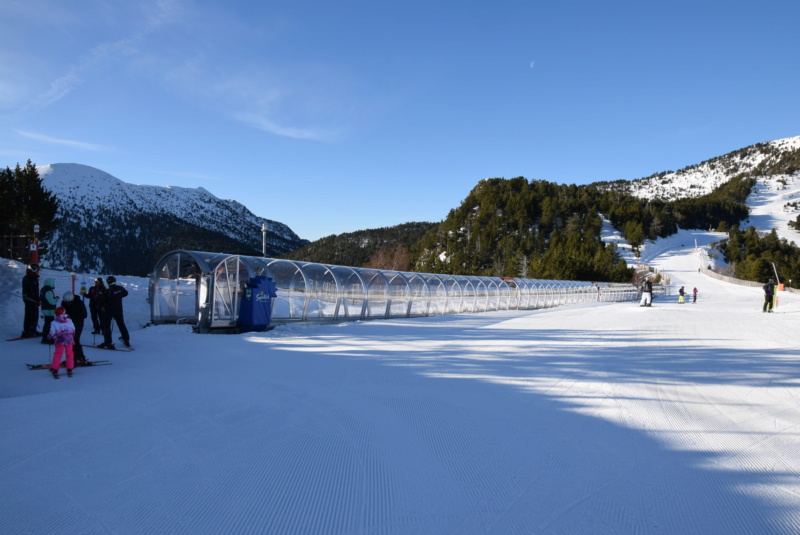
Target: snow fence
[(205, 289)]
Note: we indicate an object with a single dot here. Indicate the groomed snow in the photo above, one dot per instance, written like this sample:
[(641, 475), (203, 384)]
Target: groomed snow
[(600, 418)]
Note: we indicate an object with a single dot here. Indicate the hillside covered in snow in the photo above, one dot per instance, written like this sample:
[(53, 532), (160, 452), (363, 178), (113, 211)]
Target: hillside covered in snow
[(701, 179), (109, 225)]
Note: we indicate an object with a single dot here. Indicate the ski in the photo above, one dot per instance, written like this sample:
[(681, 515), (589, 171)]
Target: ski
[(124, 349), (23, 337), (64, 364)]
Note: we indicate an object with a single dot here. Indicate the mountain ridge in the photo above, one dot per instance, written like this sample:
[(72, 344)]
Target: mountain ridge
[(148, 218)]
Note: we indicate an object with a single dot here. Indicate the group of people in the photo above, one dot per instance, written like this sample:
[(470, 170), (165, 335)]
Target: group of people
[(63, 325), (647, 295), (682, 295)]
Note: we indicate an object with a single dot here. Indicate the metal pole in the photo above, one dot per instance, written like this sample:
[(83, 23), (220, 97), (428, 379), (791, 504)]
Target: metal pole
[(264, 239), (35, 245)]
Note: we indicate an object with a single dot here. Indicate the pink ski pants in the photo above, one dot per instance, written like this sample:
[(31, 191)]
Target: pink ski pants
[(56, 364)]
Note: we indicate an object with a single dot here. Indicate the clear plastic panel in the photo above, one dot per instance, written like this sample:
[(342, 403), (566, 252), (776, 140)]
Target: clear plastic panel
[(188, 285)]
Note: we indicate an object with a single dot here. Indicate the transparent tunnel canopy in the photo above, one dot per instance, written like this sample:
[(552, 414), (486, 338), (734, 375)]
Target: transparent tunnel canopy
[(206, 289)]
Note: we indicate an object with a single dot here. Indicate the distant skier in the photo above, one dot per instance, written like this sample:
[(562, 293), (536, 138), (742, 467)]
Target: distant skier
[(694, 296), (62, 331), (769, 295), (30, 297), (681, 295), (647, 293)]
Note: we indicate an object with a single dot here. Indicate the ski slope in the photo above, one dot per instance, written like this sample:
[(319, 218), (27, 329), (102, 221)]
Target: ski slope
[(597, 418)]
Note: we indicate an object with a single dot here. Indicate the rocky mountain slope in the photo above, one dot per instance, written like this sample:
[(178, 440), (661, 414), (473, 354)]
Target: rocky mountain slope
[(112, 226), (782, 155)]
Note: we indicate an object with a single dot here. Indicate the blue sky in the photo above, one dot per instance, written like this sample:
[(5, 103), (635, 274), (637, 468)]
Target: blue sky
[(338, 116)]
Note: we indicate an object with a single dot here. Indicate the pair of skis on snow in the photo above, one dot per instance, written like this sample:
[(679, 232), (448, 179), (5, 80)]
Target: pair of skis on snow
[(86, 364), (64, 364)]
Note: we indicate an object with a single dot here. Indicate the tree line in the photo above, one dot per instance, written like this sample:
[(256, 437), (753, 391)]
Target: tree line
[(25, 203)]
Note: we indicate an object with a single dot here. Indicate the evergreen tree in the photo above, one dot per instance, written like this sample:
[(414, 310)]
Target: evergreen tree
[(24, 203)]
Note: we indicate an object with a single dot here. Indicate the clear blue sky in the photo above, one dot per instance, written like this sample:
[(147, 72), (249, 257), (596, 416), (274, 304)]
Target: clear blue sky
[(337, 116)]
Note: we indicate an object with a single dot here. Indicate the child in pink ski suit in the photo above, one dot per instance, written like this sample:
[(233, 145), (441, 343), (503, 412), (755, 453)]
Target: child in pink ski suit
[(62, 331)]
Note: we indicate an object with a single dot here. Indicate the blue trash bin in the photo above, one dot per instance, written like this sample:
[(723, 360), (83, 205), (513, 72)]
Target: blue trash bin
[(255, 311)]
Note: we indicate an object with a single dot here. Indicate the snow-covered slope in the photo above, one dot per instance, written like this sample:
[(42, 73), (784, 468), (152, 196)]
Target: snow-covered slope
[(700, 179), (594, 418), (96, 206)]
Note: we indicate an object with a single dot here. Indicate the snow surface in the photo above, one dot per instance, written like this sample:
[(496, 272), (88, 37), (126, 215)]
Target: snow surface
[(592, 418), (596, 418)]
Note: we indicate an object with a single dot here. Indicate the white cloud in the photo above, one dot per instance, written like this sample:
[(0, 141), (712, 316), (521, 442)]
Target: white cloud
[(66, 142)]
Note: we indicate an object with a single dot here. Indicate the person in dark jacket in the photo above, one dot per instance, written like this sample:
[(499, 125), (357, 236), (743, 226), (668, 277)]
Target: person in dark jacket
[(76, 311), (769, 295), (111, 310), (48, 299), (95, 295), (30, 297), (647, 293)]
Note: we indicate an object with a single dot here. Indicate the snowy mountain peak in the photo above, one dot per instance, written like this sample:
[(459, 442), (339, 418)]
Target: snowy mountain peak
[(104, 217)]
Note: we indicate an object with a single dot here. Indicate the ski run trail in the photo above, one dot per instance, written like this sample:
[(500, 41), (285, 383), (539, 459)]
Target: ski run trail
[(583, 419)]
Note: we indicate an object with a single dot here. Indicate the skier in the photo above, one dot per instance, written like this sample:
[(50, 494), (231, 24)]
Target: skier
[(95, 296), (769, 294), (647, 293), (48, 300), (681, 294), (62, 331), (111, 309), (76, 311), (694, 296), (30, 296)]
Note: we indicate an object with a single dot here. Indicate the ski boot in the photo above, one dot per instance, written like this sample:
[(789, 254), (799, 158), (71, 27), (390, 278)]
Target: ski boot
[(69, 372), (54, 372)]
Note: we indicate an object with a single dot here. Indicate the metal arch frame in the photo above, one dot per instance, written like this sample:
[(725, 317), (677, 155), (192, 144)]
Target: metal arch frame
[(434, 293), (290, 289), (370, 282), (317, 293), (395, 292), (343, 297), (411, 277)]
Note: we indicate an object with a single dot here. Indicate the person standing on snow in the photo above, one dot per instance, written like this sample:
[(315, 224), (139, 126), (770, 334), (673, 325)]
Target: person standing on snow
[(681, 294), (647, 293), (111, 310), (95, 294), (694, 296), (62, 331), (48, 299), (769, 295), (76, 311), (30, 296)]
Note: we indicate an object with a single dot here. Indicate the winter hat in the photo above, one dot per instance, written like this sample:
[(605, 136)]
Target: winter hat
[(33, 268), (68, 296), (60, 311), (111, 279)]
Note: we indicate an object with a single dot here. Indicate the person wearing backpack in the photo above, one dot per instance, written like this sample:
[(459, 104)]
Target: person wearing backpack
[(48, 299)]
